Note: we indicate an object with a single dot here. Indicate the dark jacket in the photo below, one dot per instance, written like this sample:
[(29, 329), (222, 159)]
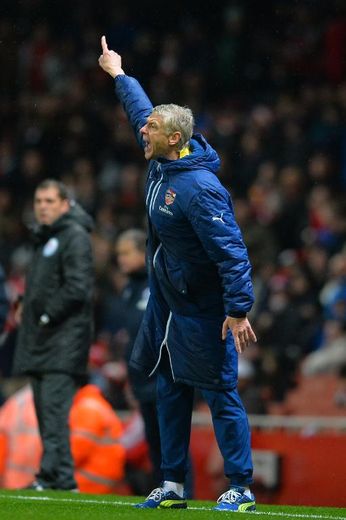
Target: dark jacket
[(198, 264), (3, 300), (135, 299), (60, 284)]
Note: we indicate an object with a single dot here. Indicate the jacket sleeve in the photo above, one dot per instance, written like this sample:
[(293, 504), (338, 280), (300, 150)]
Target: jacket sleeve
[(211, 215), (135, 102), (77, 286)]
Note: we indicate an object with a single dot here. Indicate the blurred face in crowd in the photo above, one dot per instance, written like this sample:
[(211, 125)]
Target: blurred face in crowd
[(157, 142), (49, 206), (130, 259)]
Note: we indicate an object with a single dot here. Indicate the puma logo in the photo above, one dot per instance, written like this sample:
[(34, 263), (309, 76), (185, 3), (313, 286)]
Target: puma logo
[(219, 218)]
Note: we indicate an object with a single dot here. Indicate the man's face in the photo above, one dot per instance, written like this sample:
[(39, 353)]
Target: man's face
[(130, 259), (49, 206), (155, 138)]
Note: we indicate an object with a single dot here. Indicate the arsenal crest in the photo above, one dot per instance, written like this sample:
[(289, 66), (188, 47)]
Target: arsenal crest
[(169, 196)]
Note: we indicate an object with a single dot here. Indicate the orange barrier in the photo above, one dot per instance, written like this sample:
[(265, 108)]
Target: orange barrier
[(311, 469)]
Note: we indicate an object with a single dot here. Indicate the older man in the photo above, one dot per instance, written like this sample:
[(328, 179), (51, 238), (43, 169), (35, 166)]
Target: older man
[(196, 322)]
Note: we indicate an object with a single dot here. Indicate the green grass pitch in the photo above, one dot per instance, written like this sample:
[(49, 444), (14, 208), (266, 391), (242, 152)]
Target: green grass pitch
[(57, 505)]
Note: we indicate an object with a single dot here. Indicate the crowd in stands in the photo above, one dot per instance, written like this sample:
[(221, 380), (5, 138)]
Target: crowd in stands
[(267, 84)]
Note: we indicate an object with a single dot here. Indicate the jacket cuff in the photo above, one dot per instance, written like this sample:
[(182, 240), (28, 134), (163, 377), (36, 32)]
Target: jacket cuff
[(237, 314), (119, 76)]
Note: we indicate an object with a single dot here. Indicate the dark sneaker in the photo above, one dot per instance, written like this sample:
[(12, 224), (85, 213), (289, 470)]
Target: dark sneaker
[(159, 498), (235, 500)]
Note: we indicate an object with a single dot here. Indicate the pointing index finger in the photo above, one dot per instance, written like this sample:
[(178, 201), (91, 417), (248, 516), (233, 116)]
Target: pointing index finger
[(104, 44)]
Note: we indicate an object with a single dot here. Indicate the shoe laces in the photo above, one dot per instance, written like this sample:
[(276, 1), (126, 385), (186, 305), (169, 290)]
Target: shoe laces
[(230, 496), (156, 494)]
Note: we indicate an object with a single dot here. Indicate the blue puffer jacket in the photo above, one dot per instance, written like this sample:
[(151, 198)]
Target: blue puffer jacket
[(198, 265)]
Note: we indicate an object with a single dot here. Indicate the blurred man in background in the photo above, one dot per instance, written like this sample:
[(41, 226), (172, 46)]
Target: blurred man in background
[(130, 251), (56, 325)]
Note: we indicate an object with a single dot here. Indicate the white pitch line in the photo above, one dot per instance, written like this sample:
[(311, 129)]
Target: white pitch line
[(116, 503)]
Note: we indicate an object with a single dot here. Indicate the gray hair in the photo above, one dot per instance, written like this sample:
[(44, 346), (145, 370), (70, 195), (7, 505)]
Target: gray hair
[(177, 119), (137, 236)]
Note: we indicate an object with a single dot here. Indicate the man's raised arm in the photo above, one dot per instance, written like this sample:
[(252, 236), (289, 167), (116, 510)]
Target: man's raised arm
[(130, 93)]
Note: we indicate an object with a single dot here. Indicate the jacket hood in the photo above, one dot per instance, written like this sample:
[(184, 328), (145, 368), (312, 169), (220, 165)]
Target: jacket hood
[(201, 156), (75, 214)]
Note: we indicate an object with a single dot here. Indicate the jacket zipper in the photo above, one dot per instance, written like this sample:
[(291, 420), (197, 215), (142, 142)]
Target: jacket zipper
[(153, 192), (164, 342), (150, 201)]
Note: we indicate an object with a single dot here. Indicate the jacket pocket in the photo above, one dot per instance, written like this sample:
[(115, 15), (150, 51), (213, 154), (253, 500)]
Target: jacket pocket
[(169, 272), (176, 276)]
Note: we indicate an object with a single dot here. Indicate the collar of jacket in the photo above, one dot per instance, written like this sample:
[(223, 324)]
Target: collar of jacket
[(201, 155)]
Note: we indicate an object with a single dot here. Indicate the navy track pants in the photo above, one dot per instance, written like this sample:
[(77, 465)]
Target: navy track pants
[(231, 427)]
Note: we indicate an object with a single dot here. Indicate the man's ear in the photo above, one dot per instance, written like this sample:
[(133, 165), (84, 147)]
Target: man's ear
[(66, 206), (174, 138)]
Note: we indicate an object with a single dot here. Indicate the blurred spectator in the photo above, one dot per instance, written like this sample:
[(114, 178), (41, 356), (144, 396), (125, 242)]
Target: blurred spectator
[(340, 394), (259, 239), (332, 353), (20, 445), (95, 429), (333, 293), (249, 391), (15, 285), (130, 252), (291, 219)]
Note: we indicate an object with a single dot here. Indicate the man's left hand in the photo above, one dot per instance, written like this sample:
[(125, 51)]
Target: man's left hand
[(242, 332)]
